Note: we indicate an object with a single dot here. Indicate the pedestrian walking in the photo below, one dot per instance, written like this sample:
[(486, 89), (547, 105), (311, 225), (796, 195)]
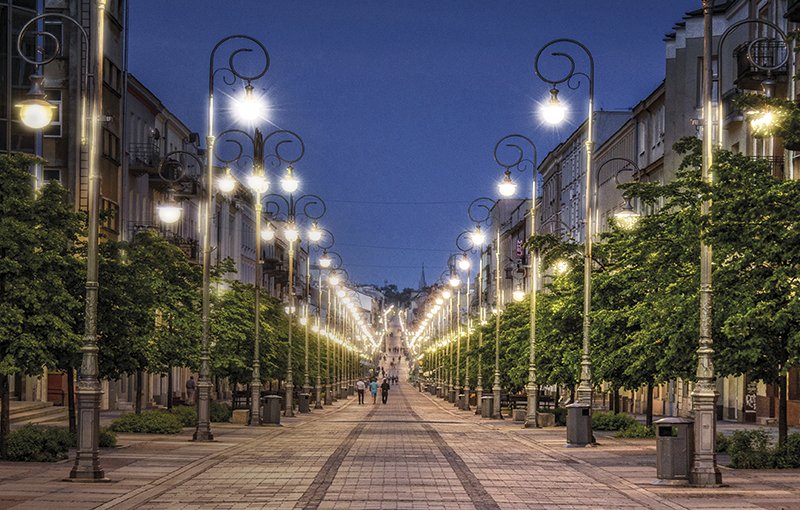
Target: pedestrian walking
[(360, 387), (373, 388), (190, 387), (385, 390)]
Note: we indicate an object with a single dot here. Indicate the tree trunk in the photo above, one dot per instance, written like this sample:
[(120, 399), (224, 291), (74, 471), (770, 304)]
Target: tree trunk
[(138, 398), (649, 415), (170, 383), (558, 397), (73, 428), (5, 414), (783, 424), (615, 400)]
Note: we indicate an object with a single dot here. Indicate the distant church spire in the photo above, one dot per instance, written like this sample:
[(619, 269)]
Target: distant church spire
[(422, 283)]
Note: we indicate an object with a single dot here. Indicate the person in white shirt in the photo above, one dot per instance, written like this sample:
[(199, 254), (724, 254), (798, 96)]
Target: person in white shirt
[(360, 387)]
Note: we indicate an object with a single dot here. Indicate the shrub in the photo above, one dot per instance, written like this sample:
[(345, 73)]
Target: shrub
[(148, 422), (611, 421), (220, 412), (34, 443), (749, 449), (560, 414), (788, 456), (187, 415), (722, 443), (636, 431), (108, 439)]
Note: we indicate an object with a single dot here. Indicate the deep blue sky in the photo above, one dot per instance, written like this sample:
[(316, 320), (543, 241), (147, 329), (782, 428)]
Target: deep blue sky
[(401, 103)]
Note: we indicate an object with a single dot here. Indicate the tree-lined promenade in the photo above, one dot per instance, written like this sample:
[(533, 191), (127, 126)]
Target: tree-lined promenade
[(148, 304), (645, 289)]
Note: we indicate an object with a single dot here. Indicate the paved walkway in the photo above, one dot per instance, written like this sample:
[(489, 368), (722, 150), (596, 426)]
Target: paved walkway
[(414, 452)]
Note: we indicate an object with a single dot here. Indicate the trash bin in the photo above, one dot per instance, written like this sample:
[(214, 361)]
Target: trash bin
[(451, 396), (271, 410), (303, 400), (579, 425), (462, 402), (674, 446), (487, 406)]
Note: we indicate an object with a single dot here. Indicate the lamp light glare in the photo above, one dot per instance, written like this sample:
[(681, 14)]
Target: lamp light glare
[(291, 233), (169, 212), (226, 182), (455, 281), (248, 108), (553, 112), (446, 294), (478, 237), (464, 263), (507, 187), (268, 233), (315, 234), (518, 295), (289, 182), (258, 182)]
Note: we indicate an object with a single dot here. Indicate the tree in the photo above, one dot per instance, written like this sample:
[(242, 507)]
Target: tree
[(37, 233)]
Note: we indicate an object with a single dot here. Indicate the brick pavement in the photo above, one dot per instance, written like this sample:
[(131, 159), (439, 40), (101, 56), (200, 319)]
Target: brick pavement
[(414, 452)]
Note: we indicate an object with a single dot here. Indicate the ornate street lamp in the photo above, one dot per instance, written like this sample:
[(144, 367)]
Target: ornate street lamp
[(312, 207), (257, 181), (626, 218), (36, 113), (521, 145), (231, 73), (583, 407), (479, 212), (323, 239)]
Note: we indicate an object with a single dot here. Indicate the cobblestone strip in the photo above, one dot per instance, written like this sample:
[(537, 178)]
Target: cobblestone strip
[(315, 493), (472, 486)]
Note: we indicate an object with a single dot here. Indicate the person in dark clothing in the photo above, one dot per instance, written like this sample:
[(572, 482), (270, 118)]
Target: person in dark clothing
[(384, 390)]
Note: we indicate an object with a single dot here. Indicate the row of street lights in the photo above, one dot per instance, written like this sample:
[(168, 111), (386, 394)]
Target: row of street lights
[(37, 113)]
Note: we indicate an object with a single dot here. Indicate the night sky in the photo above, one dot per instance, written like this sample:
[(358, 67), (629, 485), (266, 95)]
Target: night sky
[(401, 103)]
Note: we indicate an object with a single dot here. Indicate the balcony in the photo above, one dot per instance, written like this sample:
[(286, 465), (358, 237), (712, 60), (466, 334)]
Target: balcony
[(190, 247), (765, 53), (775, 163), (144, 157)]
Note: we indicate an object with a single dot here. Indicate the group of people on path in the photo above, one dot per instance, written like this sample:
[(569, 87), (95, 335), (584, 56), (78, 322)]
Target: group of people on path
[(361, 387)]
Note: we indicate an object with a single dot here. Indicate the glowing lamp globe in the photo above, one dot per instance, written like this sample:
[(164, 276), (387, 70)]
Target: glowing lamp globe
[(36, 113), (626, 218), (477, 237), (325, 261), (291, 233), (226, 183), (267, 233), (455, 281), (169, 212), (439, 301), (464, 263), (289, 182), (518, 295), (446, 294), (553, 112), (315, 234), (507, 187), (258, 182), (333, 280)]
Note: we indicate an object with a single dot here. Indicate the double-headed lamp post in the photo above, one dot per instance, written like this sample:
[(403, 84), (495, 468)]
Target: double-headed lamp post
[(36, 113), (519, 146), (312, 207), (553, 112)]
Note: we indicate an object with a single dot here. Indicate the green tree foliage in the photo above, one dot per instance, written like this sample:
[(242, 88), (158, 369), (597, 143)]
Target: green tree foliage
[(38, 232)]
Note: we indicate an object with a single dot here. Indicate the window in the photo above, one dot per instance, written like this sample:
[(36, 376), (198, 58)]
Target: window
[(112, 76), (56, 30), (53, 130), (51, 175), (110, 145)]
